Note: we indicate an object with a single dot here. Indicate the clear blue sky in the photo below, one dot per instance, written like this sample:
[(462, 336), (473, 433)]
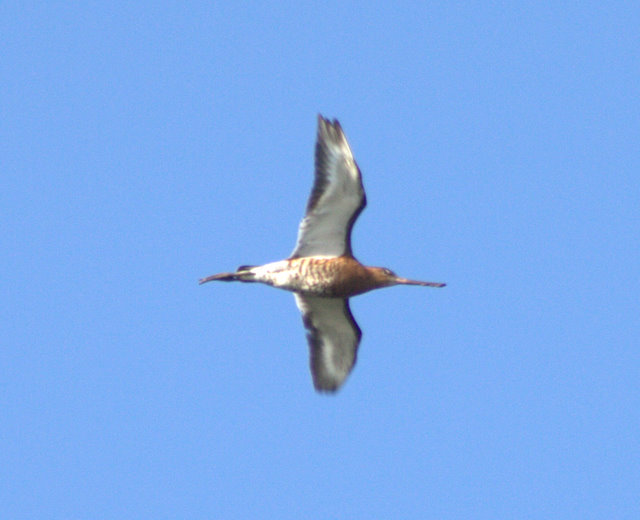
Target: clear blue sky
[(147, 144)]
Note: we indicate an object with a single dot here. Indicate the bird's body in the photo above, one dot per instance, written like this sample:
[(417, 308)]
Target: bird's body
[(322, 272), (324, 276)]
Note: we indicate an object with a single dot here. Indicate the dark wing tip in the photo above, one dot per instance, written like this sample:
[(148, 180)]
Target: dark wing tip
[(326, 121), (330, 135), (322, 383), (330, 130)]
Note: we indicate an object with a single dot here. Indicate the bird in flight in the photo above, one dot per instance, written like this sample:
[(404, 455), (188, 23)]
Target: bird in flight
[(322, 271)]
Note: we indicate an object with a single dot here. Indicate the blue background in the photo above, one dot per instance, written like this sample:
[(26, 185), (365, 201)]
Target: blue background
[(147, 144)]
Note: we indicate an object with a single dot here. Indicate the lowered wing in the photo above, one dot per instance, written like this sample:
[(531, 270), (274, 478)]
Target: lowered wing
[(333, 337)]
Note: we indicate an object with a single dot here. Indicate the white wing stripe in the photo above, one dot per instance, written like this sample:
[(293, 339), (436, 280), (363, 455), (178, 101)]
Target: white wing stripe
[(333, 338), (337, 196)]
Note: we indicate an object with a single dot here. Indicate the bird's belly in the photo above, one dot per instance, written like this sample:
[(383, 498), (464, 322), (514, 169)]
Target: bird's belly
[(313, 276), (302, 283)]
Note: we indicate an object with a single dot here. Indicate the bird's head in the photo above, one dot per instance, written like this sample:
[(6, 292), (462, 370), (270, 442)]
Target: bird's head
[(386, 278)]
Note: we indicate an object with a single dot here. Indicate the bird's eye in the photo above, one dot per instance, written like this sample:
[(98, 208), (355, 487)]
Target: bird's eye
[(388, 272)]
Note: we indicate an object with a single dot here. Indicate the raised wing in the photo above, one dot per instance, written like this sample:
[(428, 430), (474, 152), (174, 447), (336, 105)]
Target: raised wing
[(337, 196), (333, 337)]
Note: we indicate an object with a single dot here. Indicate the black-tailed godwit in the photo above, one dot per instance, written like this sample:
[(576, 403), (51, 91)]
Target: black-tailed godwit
[(322, 271)]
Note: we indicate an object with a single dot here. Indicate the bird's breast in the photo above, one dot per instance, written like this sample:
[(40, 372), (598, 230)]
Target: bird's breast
[(335, 277)]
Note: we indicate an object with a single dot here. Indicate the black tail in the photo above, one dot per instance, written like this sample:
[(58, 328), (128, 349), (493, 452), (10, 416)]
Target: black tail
[(243, 274), (222, 277)]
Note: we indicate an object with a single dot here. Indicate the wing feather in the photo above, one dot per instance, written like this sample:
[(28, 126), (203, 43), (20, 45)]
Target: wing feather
[(333, 337), (336, 199)]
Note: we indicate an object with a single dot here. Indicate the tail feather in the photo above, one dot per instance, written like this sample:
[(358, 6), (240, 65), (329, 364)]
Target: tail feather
[(243, 274), (222, 277)]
